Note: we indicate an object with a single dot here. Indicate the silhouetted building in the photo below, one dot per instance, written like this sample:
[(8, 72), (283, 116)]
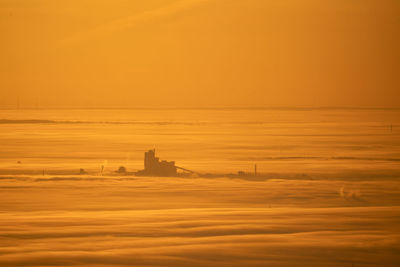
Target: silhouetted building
[(154, 167), (121, 170)]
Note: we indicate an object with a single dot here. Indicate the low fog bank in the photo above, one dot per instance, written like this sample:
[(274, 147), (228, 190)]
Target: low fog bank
[(87, 220), (85, 192), (203, 237), (95, 174)]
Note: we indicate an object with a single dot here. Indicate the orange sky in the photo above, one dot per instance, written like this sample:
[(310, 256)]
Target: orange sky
[(199, 53)]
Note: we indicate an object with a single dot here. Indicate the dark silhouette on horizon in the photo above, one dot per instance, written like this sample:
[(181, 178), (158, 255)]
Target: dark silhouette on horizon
[(154, 167)]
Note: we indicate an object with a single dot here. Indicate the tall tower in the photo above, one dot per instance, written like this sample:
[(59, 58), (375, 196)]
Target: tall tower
[(149, 159)]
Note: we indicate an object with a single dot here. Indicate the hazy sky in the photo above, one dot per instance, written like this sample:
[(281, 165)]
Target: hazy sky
[(124, 53)]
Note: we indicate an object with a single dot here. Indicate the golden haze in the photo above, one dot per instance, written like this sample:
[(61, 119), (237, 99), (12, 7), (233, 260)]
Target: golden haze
[(201, 53), (287, 111)]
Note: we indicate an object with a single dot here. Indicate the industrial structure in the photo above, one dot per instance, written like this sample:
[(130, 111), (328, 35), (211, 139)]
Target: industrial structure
[(154, 167)]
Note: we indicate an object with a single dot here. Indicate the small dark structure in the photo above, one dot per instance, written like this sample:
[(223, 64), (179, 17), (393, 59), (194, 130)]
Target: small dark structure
[(121, 170), (154, 167)]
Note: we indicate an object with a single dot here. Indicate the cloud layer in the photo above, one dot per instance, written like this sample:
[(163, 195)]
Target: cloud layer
[(200, 222)]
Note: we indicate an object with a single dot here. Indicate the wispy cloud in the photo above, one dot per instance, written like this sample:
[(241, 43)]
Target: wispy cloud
[(133, 20)]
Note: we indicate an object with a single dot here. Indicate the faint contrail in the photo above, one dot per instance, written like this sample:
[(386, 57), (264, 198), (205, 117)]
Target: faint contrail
[(132, 21)]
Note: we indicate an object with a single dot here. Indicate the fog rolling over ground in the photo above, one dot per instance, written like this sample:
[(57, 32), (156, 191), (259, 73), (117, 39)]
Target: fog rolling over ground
[(112, 221), (327, 192), (277, 122), (352, 143)]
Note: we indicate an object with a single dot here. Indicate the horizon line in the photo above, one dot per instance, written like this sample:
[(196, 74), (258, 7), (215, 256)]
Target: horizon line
[(207, 108)]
